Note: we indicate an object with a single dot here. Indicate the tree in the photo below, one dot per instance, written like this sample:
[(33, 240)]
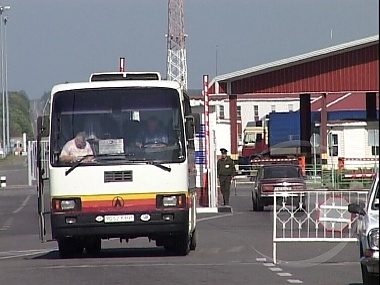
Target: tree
[(19, 115)]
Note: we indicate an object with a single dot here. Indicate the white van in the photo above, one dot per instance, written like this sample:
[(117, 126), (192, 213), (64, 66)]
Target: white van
[(368, 233)]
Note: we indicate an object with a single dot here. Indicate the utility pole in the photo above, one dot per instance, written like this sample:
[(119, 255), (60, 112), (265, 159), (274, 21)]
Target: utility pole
[(2, 10), (6, 83), (176, 68)]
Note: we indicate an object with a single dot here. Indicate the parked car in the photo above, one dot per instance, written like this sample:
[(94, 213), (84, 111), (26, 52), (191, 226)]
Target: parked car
[(244, 165), (367, 226), (278, 177)]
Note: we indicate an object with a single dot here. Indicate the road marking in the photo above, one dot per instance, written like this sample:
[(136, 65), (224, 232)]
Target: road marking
[(235, 249), (7, 224), (133, 264), (214, 217), (214, 249), (284, 274), (22, 205), (23, 253), (294, 281), (271, 267), (19, 186)]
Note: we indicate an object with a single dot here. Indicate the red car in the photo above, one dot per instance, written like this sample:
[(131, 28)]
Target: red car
[(278, 177)]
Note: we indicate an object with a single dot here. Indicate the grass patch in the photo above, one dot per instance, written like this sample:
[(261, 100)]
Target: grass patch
[(13, 160)]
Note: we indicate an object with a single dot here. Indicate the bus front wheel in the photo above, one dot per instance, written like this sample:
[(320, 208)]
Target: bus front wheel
[(182, 244)]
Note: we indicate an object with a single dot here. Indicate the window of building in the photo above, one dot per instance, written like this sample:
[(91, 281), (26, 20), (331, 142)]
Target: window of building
[(240, 139), (333, 145), (221, 111), (238, 112), (375, 150), (255, 110)]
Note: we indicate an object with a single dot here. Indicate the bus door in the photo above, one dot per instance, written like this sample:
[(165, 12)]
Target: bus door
[(42, 132)]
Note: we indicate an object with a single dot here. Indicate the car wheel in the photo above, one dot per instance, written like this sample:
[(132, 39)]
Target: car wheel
[(259, 204), (254, 204), (365, 275), (304, 205)]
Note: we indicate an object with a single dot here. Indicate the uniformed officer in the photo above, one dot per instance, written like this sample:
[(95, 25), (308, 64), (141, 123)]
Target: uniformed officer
[(226, 172)]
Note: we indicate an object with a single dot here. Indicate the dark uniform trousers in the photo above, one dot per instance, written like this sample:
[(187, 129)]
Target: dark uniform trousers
[(225, 185)]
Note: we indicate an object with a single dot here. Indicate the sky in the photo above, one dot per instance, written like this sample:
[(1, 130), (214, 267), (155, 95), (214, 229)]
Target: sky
[(55, 41)]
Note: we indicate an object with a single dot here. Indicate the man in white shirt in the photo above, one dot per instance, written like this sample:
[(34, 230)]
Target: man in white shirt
[(76, 149)]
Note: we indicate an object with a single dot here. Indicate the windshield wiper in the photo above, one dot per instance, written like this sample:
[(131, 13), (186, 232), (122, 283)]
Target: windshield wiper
[(76, 164), (152, 162), (159, 165), (114, 156)]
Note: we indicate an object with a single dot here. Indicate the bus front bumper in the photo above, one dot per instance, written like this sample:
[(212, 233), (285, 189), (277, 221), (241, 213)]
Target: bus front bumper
[(126, 226)]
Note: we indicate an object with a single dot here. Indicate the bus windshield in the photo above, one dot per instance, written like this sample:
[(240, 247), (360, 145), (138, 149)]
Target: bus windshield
[(120, 125), (249, 138)]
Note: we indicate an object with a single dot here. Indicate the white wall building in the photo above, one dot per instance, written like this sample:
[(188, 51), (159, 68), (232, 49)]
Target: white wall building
[(250, 108), (357, 142)]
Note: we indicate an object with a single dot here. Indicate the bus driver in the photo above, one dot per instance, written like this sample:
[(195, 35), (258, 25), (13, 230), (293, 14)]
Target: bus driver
[(76, 148)]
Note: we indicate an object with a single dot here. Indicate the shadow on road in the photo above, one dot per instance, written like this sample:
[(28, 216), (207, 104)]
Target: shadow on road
[(113, 253)]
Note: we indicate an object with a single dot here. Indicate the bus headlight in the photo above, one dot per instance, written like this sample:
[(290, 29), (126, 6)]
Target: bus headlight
[(373, 239), (67, 204), (171, 201)]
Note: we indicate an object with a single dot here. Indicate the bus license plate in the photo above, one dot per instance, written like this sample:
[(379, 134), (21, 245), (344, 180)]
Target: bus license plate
[(119, 218)]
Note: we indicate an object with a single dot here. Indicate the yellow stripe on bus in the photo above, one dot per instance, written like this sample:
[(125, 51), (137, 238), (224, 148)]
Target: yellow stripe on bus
[(132, 196)]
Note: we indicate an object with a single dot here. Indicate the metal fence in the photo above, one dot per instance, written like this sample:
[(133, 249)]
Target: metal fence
[(32, 161), (314, 216), (355, 178)]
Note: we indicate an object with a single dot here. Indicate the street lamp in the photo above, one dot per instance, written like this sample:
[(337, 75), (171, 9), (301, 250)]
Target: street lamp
[(6, 81), (2, 10)]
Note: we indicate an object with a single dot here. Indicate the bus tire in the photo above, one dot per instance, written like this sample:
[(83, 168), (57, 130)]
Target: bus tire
[(93, 246), (78, 247), (66, 247), (182, 244), (193, 241)]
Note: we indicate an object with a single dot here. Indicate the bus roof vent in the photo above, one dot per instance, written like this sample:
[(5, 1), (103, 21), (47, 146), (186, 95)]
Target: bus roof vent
[(115, 76)]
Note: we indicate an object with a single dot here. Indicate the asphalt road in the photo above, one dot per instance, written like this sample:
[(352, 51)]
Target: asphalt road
[(233, 248)]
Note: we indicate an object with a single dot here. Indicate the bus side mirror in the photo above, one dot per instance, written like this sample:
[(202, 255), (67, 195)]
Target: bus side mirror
[(196, 121), (43, 126)]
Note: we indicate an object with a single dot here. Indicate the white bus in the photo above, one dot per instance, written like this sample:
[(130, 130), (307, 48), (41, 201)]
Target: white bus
[(125, 190)]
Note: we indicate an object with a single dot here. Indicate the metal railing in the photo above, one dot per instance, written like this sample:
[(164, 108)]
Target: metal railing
[(32, 161), (319, 216)]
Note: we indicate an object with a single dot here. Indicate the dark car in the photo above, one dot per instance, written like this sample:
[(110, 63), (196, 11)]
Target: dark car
[(278, 177), (244, 165)]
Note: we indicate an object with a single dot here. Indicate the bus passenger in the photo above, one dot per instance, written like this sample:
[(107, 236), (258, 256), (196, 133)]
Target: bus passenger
[(76, 148), (154, 135)]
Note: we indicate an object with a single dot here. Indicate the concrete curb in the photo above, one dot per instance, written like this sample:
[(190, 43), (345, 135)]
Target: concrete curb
[(214, 210), (225, 209), (16, 187), (207, 210)]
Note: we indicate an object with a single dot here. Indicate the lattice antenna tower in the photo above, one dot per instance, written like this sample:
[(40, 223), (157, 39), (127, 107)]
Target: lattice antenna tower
[(176, 68)]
